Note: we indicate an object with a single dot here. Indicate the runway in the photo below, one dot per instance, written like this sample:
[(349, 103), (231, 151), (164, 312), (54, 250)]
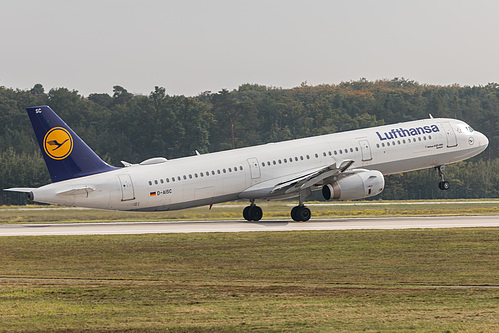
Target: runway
[(122, 228)]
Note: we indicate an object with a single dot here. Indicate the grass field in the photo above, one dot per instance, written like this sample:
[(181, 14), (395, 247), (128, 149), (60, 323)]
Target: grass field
[(272, 210), (383, 280)]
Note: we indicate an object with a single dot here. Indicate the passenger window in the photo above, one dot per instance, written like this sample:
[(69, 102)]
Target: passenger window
[(308, 157), (161, 181), (341, 151), (156, 182), (230, 169), (167, 180), (285, 160), (150, 183), (190, 176)]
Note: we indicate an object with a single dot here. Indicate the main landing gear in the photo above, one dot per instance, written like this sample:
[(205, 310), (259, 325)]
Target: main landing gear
[(443, 184), (299, 213), (252, 212)]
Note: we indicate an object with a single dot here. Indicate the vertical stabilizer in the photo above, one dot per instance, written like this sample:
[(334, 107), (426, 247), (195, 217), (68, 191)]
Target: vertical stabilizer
[(65, 154)]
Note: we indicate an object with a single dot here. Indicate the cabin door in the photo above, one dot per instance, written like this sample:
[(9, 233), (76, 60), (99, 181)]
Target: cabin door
[(365, 148), (127, 192), (451, 135), (254, 168)]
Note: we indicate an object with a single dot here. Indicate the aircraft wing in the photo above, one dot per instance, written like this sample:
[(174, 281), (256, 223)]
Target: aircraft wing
[(312, 178)]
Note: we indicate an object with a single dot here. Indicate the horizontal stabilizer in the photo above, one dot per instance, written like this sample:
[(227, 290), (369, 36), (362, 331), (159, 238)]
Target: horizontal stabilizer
[(20, 189)]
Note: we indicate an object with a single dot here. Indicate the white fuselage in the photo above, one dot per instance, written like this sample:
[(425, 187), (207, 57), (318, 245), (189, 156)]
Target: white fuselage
[(252, 173)]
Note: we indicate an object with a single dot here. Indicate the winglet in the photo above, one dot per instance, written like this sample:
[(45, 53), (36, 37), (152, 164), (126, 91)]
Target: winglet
[(65, 154)]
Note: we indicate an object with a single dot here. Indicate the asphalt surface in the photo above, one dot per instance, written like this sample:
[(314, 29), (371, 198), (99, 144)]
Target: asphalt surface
[(116, 228)]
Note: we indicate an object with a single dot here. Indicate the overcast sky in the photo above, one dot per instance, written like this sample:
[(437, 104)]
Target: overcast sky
[(190, 47)]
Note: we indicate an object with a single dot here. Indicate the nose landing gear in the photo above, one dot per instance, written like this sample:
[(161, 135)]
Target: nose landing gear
[(443, 184)]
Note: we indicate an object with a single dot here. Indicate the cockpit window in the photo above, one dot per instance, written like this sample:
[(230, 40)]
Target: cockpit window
[(469, 128)]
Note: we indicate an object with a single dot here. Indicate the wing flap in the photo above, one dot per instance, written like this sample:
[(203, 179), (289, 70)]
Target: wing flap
[(312, 178)]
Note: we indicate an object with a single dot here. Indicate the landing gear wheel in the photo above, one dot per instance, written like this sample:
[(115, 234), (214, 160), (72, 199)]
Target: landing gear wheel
[(252, 213), (293, 213), (256, 213), (301, 214), (444, 185), (246, 211)]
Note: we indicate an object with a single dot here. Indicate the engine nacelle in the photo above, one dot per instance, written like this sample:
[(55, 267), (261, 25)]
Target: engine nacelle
[(357, 185)]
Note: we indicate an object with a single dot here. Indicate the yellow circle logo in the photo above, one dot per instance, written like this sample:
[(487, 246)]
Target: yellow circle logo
[(58, 143)]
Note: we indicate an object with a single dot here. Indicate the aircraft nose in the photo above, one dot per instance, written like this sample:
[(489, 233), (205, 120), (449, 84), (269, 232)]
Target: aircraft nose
[(483, 141)]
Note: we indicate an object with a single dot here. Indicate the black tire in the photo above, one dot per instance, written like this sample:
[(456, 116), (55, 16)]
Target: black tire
[(445, 185), (301, 214), (293, 214), (304, 213), (256, 213), (246, 213)]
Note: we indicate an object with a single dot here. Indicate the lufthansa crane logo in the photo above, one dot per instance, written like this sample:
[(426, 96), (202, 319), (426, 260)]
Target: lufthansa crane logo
[(58, 143)]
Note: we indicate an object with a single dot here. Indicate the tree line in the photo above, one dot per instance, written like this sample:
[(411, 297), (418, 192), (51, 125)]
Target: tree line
[(131, 127)]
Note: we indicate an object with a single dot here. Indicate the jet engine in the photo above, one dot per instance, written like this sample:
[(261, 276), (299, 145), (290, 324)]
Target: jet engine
[(356, 184)]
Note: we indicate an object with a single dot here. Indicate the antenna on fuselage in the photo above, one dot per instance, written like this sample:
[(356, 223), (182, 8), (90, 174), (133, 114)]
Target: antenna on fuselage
[(431, 117)]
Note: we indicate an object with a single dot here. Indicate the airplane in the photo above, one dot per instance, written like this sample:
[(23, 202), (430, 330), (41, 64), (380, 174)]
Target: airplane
[(344, 166)]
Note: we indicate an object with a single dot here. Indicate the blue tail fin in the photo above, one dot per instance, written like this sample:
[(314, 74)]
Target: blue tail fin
[(65, 154)]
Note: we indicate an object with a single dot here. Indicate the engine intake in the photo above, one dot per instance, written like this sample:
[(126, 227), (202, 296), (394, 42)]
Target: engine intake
[(357, 185)]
